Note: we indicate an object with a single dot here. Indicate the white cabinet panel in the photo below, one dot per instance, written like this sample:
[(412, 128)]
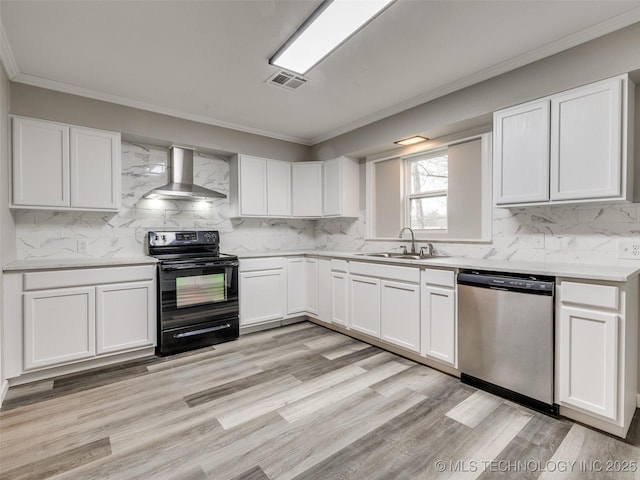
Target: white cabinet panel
[(364, 293), (295, 285), (325, 302), (40, 163), (586, 133), (278, 188), (125, 316), (588, 360), (59, 326), (306, 189), (95, 168), (339, 298), (311, 284), (262, 296), (341, 187), (400, 314), (521, 153), (252, 188), (438, 324)]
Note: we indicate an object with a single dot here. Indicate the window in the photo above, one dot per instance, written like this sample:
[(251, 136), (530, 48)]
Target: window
[(427, 178), (443, 194)]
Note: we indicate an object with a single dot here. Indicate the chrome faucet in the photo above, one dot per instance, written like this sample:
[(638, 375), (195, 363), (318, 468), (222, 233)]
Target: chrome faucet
[(413, 239)]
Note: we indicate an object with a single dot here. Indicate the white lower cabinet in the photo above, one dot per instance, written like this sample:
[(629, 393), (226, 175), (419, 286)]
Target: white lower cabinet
[(59, 326), (296, 285), (340, 292), (124, 316), (364, 314), (400, 314), (66, 316), (596, 352), (325, 302), (439, 325), (311, 285), (262, 290)]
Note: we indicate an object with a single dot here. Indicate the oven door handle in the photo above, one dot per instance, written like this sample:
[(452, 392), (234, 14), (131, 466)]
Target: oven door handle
[(201, 331), (169, 268)]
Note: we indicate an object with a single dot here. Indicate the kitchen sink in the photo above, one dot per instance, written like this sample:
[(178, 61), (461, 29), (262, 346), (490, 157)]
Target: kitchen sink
[(402, 256)]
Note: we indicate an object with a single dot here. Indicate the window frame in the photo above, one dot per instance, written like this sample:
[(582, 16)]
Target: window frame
[(407, 197)]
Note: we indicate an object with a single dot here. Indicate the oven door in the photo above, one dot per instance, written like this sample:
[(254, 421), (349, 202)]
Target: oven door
[(197, 293)]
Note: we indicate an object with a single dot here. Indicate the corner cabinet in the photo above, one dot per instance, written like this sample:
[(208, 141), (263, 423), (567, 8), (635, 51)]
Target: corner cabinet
[(596, 352), (341, 187), (59, 318), (306, 189), (64, 167), (572, 147)]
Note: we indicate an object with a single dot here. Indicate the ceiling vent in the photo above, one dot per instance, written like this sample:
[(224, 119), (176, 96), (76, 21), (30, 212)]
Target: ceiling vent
[(287, 80)]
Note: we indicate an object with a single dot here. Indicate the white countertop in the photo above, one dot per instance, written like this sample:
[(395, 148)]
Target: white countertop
[(616, 272), (60, 263)]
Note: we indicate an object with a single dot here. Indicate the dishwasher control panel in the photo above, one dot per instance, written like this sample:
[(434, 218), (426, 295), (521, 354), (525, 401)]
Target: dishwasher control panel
[(526, 283)]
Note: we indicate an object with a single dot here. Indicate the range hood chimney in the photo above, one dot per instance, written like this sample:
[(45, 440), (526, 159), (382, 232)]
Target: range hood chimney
[(180, 173)]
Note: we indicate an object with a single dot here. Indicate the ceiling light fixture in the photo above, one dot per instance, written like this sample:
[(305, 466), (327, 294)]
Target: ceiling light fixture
[(331, 24), (411, 140)]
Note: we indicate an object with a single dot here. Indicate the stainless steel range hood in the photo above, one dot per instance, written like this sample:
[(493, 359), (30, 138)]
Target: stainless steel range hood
[(180, 173)]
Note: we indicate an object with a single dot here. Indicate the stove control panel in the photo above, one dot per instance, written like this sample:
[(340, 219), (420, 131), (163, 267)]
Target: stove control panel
[(200, 237)]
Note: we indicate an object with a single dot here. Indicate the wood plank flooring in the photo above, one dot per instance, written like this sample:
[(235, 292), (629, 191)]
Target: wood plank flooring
[(299, 402)]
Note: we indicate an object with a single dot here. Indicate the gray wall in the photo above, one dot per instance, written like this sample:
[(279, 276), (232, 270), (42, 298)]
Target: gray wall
[(7, 226), (603, 57), (147, 127)]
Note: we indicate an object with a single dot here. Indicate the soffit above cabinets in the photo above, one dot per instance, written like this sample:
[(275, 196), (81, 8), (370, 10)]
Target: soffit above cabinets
[(208, 60)]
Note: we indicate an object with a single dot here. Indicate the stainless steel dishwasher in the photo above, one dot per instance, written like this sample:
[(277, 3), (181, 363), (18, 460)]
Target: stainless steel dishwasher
[(506, 335)]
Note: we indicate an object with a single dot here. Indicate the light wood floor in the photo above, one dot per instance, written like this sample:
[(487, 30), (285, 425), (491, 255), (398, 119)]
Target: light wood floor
[(300, 402)]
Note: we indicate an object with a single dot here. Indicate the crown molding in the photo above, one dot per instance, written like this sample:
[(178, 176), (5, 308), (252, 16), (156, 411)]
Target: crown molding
[(6, 55), (590, 33)]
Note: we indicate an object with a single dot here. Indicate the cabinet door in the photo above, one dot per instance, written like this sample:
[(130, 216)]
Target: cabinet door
[(311, 284), (364, 315), (40, 163), (261, 296), (95, 168), (278, 188), (125, 316), (253, 186), (400, 314), (588, 355), (521, 153), (306, 189), (439, 324), (332, 188), (59, 326), (295, 285), (586, 142), (325, 303), (339, 298)]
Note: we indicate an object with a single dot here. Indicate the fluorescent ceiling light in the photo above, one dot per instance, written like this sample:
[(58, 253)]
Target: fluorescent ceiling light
[(411, 140), (332, 23)]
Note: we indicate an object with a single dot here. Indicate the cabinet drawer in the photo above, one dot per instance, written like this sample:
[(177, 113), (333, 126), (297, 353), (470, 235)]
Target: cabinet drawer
[(339, 265), (256, 264), (443, 278), (404, 274), (603, 296), (86, 276)]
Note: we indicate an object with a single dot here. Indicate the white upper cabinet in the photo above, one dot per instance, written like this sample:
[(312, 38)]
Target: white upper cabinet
[(278, 188), (64, 167), (306, 189), (341, 187), (260, 187), (567, 148), (586, 139), (521, 152)]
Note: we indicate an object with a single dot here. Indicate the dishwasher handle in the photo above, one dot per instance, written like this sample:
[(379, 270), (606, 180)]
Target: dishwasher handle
[(507, 283)]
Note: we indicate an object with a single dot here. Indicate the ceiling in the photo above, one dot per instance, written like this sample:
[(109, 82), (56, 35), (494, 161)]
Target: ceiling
[(207, 60)]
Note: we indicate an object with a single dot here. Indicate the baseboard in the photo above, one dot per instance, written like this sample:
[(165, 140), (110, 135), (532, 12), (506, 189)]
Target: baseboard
[(271, 324), (4, 388)]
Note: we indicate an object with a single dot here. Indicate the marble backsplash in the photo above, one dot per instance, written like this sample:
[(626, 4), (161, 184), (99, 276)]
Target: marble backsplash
[(585, 233)]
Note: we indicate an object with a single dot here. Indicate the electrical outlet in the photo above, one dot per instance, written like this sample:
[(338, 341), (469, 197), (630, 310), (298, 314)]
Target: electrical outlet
[(629, 249), (83, 245)]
